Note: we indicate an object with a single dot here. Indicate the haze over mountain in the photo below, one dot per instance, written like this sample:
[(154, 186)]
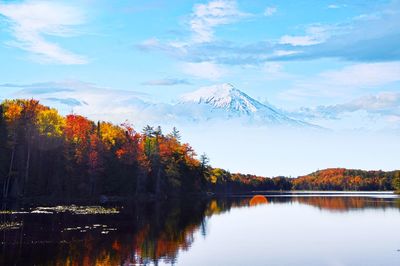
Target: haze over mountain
[(217, 119), (211, 103), (332, 65), (227, 102)]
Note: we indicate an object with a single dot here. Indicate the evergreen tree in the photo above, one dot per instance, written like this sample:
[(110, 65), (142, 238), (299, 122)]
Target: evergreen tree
[(148, 131), (176, 134)]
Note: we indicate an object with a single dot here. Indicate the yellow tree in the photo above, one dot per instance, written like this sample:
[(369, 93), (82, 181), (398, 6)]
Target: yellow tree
[(50, 123), (20, 116), (110, 134)]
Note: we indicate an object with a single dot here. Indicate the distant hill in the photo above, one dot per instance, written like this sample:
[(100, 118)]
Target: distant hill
[(346, 179)]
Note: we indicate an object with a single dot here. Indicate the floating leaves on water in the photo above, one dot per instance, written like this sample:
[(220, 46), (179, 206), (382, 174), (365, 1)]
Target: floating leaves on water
[(80, 210), (12, 212), (102, 228), (10, 225), (41, 212)]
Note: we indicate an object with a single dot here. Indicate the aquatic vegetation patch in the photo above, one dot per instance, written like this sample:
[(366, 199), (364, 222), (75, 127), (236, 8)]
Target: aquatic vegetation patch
[(10, 225), (12, 212), (102, 228), (79, 210)]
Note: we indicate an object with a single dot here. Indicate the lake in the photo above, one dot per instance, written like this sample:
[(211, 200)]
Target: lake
[(267, 229)]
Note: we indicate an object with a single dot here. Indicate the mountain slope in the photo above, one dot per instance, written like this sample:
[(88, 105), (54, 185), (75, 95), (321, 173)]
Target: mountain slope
[(218, 102), (225, 101), (224, 96)]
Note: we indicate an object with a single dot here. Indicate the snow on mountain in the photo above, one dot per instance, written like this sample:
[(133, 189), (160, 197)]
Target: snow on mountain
[(224, 96), (218, 102), (225, 101)]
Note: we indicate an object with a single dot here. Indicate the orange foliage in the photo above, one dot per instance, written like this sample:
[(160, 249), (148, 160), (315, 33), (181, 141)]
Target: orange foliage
[(78, 128), (339, 179)]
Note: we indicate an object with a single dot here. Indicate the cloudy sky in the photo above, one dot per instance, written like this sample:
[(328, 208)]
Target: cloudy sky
[(328, 59)]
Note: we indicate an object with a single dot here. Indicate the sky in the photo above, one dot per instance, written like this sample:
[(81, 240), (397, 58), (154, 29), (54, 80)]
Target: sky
[(335, 61)]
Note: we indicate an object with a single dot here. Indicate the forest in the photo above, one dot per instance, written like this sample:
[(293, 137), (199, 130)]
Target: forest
[(45, 154)]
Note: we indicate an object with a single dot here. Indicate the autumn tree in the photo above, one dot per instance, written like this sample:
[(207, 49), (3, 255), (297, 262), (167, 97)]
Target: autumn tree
[(48, 157), (77, 133), (4, 151), (11, 113), (396, 181), (20, 116)]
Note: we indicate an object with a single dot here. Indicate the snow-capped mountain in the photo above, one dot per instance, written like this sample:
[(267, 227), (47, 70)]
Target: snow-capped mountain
[(225, 101), (219, 102), (224, 96)]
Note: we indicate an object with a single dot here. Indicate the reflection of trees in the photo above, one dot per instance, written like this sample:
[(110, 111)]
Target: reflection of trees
[(258, 200), (344, 203), (146, 232)]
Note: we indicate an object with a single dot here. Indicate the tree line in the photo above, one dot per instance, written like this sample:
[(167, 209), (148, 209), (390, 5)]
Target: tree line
[(348, 179), (45, 154)]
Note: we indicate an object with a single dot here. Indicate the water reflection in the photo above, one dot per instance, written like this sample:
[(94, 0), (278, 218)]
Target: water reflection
[(132, 233), (258, 200), (348, 203)]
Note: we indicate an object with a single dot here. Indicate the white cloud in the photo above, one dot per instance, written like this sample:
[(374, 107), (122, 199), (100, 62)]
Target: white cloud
[(31, 21), (284, 52), (298, 40), (95, 102), (273, 68), (376, 111), (205, 70), (344, 82), (206, 17), (152, 42), (166, 82), (274, 71), (269, 11), (382, 102), (333, 6), (314, 35), (365, 75)]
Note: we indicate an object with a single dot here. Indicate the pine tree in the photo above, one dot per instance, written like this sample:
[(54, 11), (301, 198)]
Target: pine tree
[(176, 134), (148, 131)]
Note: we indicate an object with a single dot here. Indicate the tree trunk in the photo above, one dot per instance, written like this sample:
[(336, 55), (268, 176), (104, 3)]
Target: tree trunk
[(158, 182), (7, 183), (140, 181), (28, 159)]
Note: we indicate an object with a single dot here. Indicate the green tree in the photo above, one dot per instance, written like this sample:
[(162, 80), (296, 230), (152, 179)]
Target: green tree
[(148, 131), (396, 181), (176, 134)]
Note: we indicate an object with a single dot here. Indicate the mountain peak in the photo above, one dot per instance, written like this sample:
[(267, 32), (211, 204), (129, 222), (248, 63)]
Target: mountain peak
[(224, 100), (223, 96)]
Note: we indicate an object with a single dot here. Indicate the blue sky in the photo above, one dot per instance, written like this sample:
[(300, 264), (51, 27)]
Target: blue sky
[(334, 59), (289, 52)]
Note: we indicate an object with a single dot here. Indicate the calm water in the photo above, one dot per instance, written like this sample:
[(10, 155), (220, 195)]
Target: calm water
[(295, 229)]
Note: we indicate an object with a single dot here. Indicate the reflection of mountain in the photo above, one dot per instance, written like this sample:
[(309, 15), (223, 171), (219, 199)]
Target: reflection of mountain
[(142, 233)]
